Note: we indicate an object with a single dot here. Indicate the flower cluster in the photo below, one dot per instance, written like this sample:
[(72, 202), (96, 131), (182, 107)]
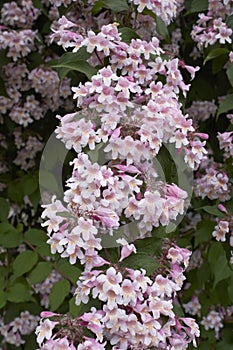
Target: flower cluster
[(121, 197), (14, 331), (213, 320), (127, 113), (193, 307), (224, 226), (167, 10), (213, 184), (26, 155), (19, 14), (126, 104), (19, 80), (202, 110), (134, 306), (211, 27), (58, 3), (28, 91), (226, 143), (19, 44), (44, 288), (27, 110)]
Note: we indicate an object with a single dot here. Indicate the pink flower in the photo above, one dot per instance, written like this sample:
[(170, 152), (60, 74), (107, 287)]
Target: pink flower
[(44, 330), (126, 249)]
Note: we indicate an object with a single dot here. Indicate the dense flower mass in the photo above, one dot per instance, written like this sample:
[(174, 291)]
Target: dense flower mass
[(123, 98), (139, 92), (133, 309), (132, 100)]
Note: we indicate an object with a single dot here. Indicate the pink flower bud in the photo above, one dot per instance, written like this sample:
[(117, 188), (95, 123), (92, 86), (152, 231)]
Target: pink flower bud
[(222, 208), (202, 135), (231, 241)]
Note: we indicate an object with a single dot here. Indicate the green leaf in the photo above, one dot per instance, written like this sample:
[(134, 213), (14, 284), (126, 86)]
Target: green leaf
[(66, 269), (227, 334), (150, 245), (19, 293), (222, 295), (24, 262), (117, 5), (9, 236), (141, 260), (67, 57), (201, 346), (15, 191), (4, 209), (226, 105), (30, 342), (58, 293), (230, 290), (62, 72), (161, 28), (178, 310), (213, 210), (216, 53), (222, 270), (38, 4), (229, 21), (48, 181), (3, 91), (215, 251), (218, 63), (127, 34), (230, 73), (72, 61), (98, 155), (4, 60), (75, 310), (198, 6), (3, 298), (35, 199), (40, 272), (3, 274), (80, 66), (34, 60), (97, 7), (29, 184), (204, 232), (203, 274), (35, 236), (223, 346), (218, 263), (44, 250), (229, 205)]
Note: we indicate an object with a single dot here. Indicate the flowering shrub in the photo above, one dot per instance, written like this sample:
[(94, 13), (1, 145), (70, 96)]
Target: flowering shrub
[(131, 248)]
